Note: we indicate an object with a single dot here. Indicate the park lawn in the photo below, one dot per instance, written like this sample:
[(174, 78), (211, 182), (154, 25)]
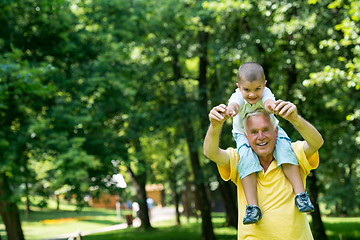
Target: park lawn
[(49, 223), (336, 228), (345, 228), (36, 227), (168, 230)]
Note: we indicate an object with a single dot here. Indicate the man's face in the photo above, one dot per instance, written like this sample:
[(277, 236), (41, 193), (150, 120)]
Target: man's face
[(261, 135)]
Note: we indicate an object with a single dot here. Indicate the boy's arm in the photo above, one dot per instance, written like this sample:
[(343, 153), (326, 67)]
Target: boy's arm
[(232, 109), (268, 99), (313, 139), (269, 105), (211, 143), (234, 104)]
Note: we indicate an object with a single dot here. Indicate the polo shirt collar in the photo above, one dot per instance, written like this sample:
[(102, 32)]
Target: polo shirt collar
[(273, 166)]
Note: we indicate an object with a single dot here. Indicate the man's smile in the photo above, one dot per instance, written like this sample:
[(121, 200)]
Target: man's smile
[(262, 144)]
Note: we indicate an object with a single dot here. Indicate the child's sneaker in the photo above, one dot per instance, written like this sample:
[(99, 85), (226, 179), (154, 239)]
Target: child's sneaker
[(303, 203), (252, 215)]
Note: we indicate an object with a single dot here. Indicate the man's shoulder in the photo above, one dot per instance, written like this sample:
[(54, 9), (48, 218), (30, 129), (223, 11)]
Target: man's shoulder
[(298, 148), (232, 151), (307, 163)]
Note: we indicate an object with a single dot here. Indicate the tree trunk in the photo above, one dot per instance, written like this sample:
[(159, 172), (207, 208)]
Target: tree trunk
[(57, 202), (291, 80), (176, 198), (201, 197), (27, 208), (317, 224), (9, 212), (186, 200), (140, 182), (203, 84), (171, 173), (175, 193), (229, 195), (224, 187)]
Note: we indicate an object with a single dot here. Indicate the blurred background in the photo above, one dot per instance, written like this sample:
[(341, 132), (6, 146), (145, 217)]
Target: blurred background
[(104, 103)]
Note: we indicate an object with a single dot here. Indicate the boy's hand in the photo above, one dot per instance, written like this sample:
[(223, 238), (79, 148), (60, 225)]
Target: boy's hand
[(270, 106), (231, 110), (230, 113)]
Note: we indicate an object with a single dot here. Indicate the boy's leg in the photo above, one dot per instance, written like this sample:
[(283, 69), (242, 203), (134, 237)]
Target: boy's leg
[(247, 167), (285, 157), (292, 172), (250, 190)]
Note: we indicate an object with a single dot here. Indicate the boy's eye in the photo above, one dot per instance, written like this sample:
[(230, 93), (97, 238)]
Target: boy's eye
[(258, 89)]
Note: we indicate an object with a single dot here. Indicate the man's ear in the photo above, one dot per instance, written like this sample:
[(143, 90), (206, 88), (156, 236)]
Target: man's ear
[(246, 135), (276, 130)]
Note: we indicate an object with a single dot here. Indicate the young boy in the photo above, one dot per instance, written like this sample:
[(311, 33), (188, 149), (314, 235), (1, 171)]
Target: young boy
[(250, 95)]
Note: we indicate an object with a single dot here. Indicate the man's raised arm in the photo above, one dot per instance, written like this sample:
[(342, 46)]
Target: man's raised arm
[(211, 143), (313, 139)]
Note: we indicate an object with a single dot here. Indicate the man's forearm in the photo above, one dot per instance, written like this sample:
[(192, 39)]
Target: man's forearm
[(310, 134), (211, 146)]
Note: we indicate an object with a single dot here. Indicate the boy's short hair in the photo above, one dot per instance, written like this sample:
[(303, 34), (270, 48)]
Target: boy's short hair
[(260, 111), (250, 72)]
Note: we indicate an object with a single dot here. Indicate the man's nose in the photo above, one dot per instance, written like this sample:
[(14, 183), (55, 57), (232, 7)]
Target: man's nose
[(261, 135)]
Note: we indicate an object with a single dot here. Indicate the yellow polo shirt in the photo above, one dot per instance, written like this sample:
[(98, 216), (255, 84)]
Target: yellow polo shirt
[(280, 217)]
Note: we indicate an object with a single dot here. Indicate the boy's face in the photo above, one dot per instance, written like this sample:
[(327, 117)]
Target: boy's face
[(251, 91)]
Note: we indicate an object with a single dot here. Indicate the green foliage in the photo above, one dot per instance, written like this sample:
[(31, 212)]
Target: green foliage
[(341, 98), (91, 88)]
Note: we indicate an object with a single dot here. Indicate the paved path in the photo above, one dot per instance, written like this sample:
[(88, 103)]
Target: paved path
[(158, 215)]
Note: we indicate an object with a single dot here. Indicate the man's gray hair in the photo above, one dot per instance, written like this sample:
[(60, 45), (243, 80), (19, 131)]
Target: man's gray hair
[(257, 112)]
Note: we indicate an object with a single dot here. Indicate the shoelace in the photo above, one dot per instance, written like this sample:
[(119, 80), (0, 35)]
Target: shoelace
[(248, 213)]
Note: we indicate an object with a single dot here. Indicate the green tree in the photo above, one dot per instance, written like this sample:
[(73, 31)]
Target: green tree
[(21, 83)]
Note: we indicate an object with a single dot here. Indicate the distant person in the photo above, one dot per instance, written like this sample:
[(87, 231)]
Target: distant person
[(129, 204), (136, 209), (252, 93), (280, 220), (150, 205)]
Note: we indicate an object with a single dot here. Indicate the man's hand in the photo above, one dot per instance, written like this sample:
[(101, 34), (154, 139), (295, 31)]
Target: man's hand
[(313, 139), (286, 110), (217, 115)]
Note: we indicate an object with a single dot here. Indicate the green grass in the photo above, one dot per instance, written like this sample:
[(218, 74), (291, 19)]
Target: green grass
[(91, 219), (168, 230), (336, 229), (342, 228), (37, 225)]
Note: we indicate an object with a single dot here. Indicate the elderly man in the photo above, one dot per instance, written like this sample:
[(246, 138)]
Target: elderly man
[(280, 218)]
